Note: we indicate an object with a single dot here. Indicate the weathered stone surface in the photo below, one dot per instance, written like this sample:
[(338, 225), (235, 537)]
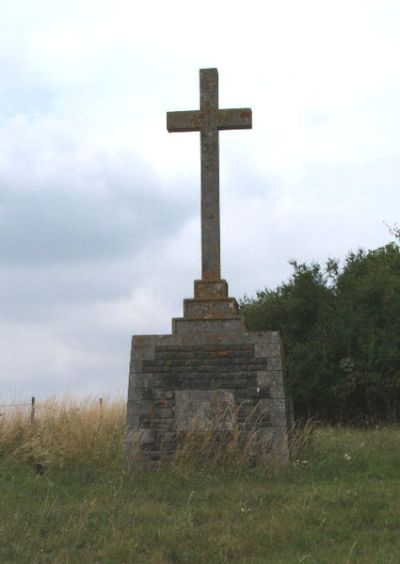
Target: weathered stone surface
[(210, 308), (176, 381), (205, 409), (191, 327), (204, 290), (210, 373), (209, 120), (192, 376)]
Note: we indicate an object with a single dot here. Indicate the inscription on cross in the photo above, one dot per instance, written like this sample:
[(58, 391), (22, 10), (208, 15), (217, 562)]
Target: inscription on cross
[(209, 120)]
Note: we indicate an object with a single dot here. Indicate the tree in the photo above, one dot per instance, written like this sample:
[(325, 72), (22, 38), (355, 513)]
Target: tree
[(340, 329)]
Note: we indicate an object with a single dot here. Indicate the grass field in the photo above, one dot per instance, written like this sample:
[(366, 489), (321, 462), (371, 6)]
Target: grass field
[(65, 497)]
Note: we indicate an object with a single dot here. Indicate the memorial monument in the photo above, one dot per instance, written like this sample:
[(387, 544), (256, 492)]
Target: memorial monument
[(211, 368)]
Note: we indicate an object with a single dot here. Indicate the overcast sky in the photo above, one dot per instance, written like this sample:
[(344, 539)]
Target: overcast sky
[(99, 205)]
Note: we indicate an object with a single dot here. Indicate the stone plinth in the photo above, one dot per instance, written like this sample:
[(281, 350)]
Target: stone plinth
[(211, 372), (208, 366)]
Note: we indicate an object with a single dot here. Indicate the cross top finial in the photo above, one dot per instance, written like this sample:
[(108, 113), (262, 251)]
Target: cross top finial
[(209, 120)]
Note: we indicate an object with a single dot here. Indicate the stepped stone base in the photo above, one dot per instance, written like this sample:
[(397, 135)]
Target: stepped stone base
[(210, 373)]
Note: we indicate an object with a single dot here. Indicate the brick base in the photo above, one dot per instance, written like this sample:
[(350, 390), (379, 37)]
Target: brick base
[(177, 380)]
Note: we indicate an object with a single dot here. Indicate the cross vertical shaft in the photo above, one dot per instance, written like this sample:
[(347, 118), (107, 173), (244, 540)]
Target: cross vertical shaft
[(209, 120), (209, 147)]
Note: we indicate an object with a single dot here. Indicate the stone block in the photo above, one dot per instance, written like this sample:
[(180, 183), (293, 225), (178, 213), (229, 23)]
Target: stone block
[(192, 327), (208, 376), (205, 409), (273, 380), (210, 308), (210, 290)]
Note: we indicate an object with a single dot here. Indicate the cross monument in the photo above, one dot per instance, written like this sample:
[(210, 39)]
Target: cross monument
[(209, 120), (211, 374)]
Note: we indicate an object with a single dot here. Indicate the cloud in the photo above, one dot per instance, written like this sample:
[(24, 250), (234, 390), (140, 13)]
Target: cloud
[(99, 206), (63, 200), (84, 216)]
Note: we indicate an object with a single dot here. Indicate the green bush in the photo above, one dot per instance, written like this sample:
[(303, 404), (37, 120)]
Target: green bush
[(341, 334)]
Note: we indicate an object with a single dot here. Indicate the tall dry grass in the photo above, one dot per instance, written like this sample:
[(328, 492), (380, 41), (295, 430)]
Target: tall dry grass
[(65, 433), (75, 433), (226, 442)]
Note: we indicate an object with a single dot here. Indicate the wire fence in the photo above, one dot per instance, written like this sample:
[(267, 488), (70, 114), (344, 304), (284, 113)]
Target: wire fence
[(32, 407)]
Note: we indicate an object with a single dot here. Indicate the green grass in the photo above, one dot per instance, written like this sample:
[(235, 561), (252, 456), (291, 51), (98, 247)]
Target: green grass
[(338, 502)]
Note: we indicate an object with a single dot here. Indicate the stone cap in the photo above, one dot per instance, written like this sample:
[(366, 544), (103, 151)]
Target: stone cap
[(202, 327), (215, 290)]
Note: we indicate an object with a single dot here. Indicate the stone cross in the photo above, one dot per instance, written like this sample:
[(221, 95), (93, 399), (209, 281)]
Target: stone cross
[(209, 120)]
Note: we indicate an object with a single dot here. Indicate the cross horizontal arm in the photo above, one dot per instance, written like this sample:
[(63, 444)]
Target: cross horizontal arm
[(237, 118), (184, 121)]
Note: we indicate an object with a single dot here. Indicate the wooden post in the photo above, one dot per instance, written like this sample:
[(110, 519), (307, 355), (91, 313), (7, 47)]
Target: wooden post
[(32, 409)]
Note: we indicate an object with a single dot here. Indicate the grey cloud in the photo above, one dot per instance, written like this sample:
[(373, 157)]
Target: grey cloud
[(57, 205), (114, 212), (30, 295)]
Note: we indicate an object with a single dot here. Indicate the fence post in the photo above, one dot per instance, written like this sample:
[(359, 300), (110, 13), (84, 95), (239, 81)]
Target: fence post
[(33, 409)]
